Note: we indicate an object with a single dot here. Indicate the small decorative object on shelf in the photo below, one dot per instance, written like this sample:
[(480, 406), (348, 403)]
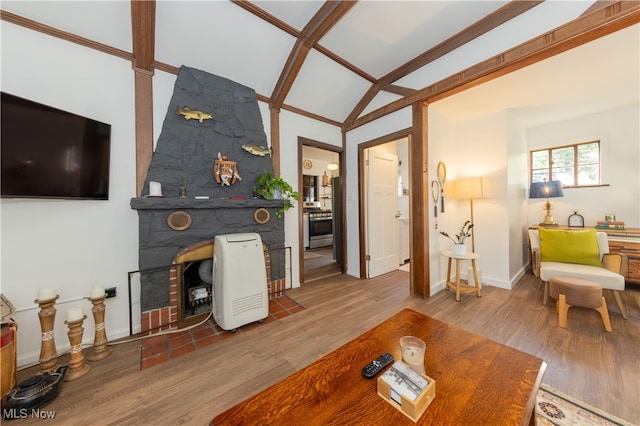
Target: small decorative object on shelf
[(100, 348), (77, 367), (46, 300), (576, 220), (225, 172)]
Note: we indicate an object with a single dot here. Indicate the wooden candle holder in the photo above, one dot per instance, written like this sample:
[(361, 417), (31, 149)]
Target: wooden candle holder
[(77, 367), (100, 348), (48, 353)]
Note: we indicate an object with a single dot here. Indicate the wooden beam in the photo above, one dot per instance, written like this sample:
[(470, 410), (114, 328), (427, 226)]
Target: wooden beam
[(604, 21), (143, 15), (326, 17), (63, 35), (274, 120), (490, 22), (420, 282), (486, 24)]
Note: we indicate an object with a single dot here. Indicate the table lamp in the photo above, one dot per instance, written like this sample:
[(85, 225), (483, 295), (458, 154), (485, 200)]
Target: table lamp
[(546, 190)]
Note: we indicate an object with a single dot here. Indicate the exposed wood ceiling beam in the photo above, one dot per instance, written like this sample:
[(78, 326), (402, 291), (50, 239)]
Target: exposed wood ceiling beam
[(616, 16), (326, 17), (262, 14), (486, 24), (143, 33), (64, 35)]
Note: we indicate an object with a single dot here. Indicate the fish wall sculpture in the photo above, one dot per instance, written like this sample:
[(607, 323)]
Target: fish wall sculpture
[(257, 150), (195, 114)]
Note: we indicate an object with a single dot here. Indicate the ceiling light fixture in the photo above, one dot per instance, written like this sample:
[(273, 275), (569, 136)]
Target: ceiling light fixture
[(333, 165)]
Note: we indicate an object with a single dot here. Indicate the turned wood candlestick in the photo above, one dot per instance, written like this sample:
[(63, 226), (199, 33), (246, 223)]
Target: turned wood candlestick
[(100, 348), (48, 353), (77, 367)]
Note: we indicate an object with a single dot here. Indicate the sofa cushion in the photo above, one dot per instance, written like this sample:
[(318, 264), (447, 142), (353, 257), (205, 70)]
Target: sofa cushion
[(606, 278), (579, 247)]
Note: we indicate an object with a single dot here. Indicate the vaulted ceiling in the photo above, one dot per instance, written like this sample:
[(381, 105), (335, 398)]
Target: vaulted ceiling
[(349, 62)]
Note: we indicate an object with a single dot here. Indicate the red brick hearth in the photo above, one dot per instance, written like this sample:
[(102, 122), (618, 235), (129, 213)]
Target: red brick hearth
[(171, 317), (161, 348)]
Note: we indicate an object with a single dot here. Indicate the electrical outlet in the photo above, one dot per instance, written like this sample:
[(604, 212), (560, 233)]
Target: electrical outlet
[(111, 292)]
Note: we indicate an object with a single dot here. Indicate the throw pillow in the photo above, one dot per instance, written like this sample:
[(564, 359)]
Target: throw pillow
[(569, 246)]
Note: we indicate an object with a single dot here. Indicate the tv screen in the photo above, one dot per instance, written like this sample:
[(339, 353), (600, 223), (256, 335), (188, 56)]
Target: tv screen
[(50, 153)]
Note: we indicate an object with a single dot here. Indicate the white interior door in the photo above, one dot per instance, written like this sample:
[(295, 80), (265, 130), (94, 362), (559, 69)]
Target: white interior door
[(382, 207)]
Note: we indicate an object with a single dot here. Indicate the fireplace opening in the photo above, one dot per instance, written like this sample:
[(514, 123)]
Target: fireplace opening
[(196, 289)]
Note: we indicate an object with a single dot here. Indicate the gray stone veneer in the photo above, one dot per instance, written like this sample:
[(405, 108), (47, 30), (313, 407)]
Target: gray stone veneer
[(184, 157)]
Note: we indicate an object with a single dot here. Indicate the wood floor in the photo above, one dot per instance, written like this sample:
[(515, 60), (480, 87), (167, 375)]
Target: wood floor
[(322, 266), (602, 369)]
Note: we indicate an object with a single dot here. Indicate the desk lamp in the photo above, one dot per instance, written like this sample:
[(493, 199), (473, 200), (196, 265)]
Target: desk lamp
[(546, 190)]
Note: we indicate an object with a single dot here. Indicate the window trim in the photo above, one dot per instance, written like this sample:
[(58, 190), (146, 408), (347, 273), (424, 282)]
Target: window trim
[(575, 146)]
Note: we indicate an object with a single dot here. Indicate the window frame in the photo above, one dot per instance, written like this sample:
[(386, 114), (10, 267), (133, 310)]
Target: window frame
[(575, 147)]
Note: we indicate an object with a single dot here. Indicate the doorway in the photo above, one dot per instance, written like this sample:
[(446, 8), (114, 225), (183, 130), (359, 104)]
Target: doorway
[(385, 200), (321, 214)]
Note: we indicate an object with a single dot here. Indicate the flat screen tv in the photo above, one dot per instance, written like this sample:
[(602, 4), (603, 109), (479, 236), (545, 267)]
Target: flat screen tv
[(50, 153)]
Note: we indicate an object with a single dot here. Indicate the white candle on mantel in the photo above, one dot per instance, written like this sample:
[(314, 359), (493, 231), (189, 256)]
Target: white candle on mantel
[(75, 314), (97, 292), (46, 293)]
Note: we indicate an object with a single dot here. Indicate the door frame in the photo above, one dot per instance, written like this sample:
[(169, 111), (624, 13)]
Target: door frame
[(362, 205), (302, 142)]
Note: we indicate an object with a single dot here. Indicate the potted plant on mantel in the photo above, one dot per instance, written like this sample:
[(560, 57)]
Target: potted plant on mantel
[(276, 188), (459, 247)]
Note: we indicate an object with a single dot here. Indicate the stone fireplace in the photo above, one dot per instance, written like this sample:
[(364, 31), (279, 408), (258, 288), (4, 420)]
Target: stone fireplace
[(177, 233)]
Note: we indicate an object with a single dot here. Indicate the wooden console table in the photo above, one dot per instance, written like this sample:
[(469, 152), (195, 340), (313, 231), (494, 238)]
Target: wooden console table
[(624, 241), (478, 381)]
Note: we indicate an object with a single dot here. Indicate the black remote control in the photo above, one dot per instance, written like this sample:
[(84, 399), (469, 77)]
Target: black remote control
[(375, 366)]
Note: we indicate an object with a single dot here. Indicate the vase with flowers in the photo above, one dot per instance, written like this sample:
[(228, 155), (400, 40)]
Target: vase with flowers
[(459, 248)]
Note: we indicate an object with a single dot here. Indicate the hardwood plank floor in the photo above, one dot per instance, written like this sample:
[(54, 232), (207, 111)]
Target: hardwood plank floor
[(602, 369), (321, 266)]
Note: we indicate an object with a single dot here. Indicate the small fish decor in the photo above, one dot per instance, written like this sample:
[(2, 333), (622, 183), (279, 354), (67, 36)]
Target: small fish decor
[(194, 114), (257, 150), (225, 172)]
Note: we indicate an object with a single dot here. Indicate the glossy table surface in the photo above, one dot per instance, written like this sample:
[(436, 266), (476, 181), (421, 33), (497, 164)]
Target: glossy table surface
[(478, 382)]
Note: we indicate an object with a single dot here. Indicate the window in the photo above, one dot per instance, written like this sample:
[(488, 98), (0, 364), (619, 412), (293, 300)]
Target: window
[(573, 165)]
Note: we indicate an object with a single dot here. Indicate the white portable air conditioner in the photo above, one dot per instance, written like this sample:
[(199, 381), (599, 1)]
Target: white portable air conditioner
[(239, 280)]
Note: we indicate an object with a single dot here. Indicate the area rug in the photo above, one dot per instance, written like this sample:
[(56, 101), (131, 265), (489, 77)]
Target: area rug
[(554, 408), (310, 255)]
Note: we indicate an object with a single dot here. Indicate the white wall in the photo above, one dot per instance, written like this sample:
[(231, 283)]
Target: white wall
[(496, 146), (473, 148), (62, 244), (619, 133)]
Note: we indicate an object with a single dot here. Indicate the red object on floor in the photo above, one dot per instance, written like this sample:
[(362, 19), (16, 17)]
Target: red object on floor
[(159, 349)]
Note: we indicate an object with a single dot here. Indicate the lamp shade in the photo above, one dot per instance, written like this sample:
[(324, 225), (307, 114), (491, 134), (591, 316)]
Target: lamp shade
[(545, 189), (471, 188)]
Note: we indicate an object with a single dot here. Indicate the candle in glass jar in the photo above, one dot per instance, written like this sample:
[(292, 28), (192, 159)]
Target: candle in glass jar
[(97, 292), (46, 293), (75, 314), (413, 350)]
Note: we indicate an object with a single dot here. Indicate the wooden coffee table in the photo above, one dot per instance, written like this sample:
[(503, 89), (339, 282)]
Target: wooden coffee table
[(478, 382)]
